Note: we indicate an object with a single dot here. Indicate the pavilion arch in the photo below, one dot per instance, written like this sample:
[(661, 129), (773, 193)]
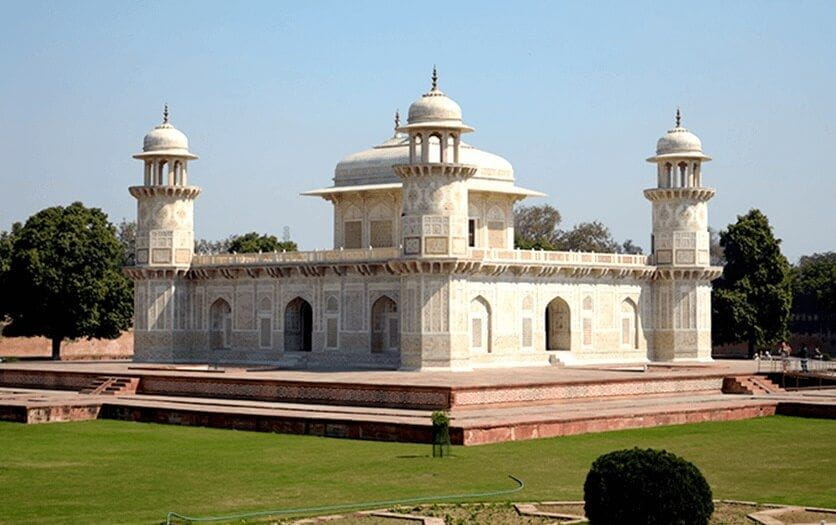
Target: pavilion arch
[(298, 326), (629, 324), (385, 325), (558, 325), (480, 325), (220, 325), (434, 146)]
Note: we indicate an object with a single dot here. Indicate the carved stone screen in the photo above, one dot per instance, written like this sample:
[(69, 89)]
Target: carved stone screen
[(496, 234), (353, 235), (381, 234)]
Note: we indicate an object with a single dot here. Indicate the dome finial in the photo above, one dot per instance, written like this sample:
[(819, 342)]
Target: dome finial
[(678, 118), (435, 78), (397, 119), (165, 114)]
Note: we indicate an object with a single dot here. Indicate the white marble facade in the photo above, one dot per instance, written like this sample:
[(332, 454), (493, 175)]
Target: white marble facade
[(423, 274)]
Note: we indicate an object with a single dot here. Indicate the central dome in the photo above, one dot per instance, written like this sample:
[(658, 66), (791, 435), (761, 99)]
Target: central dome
[(374, 165)]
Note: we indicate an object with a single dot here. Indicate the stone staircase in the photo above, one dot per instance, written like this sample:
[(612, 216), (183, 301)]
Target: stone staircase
[(111, 386), (750, 385)]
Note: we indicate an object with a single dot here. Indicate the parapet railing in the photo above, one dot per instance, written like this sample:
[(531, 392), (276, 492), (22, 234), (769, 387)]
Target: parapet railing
[(371, 254), (542, 256), (316, 256)]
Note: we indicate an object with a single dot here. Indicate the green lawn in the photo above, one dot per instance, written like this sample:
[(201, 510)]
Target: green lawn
[(120, 472)]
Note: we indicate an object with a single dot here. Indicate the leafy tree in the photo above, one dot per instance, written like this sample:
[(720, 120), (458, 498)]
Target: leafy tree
[(588, 237), (536, 227), (815, 279), (6, 250), (751, 300), (204, 246), (255, 243), (126, 232), (715, 251), (65, 279), (630, 248)]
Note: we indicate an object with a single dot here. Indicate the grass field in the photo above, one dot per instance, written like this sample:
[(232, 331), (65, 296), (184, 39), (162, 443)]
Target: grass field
[(121, 472)]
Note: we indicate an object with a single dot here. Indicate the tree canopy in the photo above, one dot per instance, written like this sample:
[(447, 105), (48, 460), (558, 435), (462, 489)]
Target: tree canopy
[(751, 300), (65, 280), (814, 279), (254, 243), (538, 228)]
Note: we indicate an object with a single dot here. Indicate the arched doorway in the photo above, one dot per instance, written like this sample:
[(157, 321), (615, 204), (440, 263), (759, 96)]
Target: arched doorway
[(385, 329), (558, 328), (220, 328), (629, 324), (298, 326), (480, 325)]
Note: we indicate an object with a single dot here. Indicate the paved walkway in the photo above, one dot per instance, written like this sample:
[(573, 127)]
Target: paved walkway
[(483, 377)]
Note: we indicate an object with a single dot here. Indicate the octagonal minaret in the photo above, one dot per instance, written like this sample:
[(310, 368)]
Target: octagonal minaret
[(680, 249), (434, 214), (165, 201), (680, 210)]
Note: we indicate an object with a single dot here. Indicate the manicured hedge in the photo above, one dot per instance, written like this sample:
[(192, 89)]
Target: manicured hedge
[(648, 487)]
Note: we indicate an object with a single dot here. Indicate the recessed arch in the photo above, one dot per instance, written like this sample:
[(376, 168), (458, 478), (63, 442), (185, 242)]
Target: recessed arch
[(385, 329), (480, 325), (298, 326), (629, 324), (558, 325), (220, 324)]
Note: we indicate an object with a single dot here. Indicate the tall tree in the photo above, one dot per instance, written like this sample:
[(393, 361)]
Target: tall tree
[(254, 243), (65, 277), (815, 278), (126, 233), (536, 227), (6, 249), (751, 300), (715, 251)]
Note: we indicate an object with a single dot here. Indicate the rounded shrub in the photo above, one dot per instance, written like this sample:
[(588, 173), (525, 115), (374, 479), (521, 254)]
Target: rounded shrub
[(648, 487)]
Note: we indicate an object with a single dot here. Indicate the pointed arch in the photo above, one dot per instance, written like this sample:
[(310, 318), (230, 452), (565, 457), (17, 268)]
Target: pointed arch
[(298, 326), (220, 324), (480, 325), (385, 325), (629, 324), (558, 325)]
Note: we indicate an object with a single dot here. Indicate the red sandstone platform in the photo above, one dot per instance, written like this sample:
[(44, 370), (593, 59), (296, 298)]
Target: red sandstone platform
[(485, 406)]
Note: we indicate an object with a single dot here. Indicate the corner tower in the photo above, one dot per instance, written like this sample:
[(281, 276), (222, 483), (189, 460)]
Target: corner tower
[(165, 201), (434, 215), (680, 248)]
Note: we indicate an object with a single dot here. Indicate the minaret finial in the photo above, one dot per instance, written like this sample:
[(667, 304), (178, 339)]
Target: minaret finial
[(435, 78), (165, 114), (397, 120), (678, 117)]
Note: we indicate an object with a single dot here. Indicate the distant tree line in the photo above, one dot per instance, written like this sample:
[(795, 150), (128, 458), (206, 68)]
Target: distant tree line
[(538, 228)]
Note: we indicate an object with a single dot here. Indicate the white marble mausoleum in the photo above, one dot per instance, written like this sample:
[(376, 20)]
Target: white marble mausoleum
[(423, 273)]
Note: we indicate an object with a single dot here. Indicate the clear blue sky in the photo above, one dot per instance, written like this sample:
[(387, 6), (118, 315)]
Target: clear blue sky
[(273, 94)]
